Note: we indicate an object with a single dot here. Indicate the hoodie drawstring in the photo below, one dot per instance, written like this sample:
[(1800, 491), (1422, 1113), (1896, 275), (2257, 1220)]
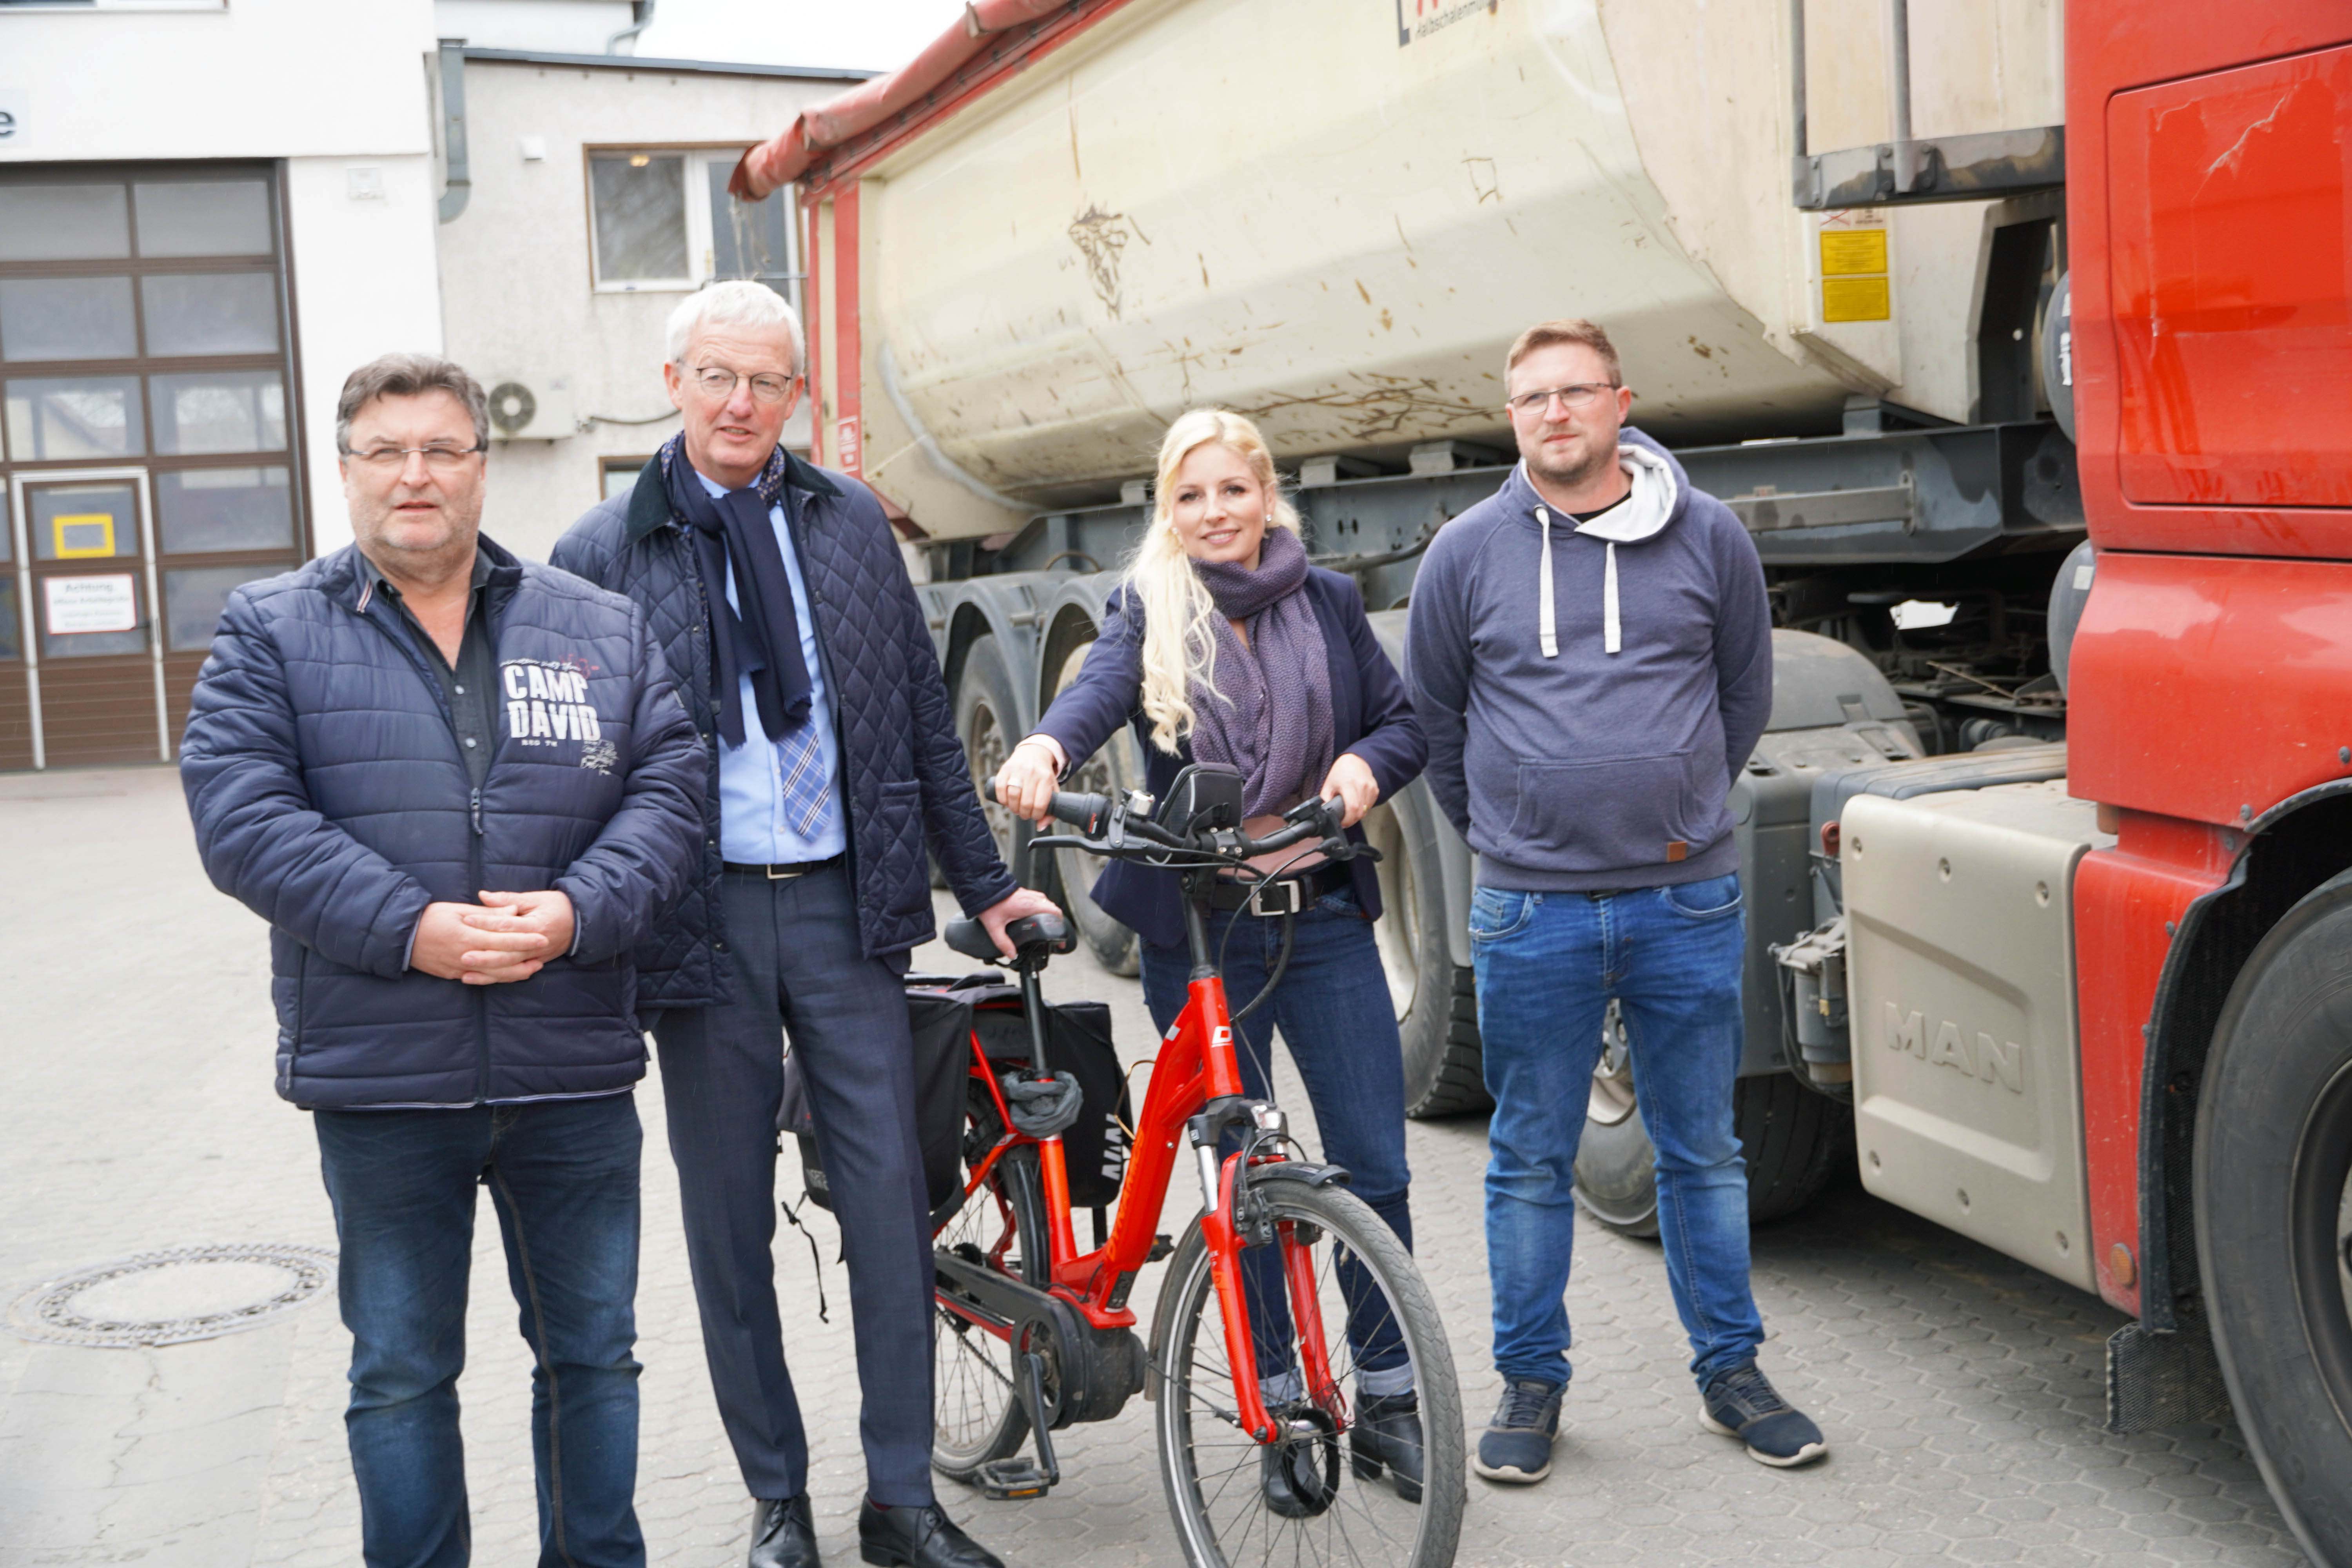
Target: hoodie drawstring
[(1609, 640), (1545, 636)]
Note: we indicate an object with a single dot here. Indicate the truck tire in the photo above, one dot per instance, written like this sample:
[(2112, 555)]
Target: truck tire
[(1436, 1001), (2274, 1209), (987, 714), (1796, 1144), (1110, 770), (1616, 1168)]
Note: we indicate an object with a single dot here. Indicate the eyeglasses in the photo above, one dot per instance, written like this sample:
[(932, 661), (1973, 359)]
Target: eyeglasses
[(719, 384), (440, 457), (1575, 396)]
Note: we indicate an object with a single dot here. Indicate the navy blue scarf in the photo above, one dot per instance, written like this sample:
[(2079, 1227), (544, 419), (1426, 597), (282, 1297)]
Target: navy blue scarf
[(761, 635)]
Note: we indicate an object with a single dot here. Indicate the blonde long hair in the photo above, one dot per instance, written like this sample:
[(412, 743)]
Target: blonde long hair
[(1179, 618)]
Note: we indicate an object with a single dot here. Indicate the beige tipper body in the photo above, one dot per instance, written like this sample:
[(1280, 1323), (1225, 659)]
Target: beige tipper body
[(1335, 215)]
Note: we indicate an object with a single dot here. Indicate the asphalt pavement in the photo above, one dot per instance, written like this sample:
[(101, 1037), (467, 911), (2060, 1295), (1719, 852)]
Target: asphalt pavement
[(1961, 1392)]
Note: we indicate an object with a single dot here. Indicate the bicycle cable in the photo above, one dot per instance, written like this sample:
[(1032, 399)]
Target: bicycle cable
[(1289, 932)]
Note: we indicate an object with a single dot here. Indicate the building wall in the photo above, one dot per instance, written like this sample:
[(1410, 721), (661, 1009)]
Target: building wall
[(566, 26), (330, 87), (519, 299)]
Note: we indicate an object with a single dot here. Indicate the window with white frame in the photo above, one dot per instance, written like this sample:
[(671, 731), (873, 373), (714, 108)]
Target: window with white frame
[(660, 218)]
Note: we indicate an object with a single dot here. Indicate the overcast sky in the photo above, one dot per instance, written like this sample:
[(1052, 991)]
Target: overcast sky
[(868, 34)]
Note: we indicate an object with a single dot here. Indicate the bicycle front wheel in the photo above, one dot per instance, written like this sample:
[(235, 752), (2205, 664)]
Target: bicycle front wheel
[(1322, 1493)]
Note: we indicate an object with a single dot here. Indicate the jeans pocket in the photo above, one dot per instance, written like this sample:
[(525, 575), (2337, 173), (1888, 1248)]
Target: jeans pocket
[(1499, 913), (1708, 901)]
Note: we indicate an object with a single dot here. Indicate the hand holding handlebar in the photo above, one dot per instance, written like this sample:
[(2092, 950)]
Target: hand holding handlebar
[(1086, 813), (1026, 784)]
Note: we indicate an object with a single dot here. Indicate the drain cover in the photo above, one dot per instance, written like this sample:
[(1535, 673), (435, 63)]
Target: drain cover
[(171, 1296)]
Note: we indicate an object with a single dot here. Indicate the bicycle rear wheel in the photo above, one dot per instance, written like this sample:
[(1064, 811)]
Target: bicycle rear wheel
[(1215, 1473), (976, 1416)]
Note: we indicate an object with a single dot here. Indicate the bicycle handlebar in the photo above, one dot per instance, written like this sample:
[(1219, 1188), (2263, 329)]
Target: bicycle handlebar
[(1092, 815)]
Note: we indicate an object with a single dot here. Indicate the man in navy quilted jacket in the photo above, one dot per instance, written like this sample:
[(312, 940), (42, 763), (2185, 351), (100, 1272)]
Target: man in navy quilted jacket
[(460, 788), (778, 592)]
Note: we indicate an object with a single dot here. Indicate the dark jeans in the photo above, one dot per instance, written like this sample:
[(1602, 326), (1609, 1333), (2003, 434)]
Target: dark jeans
[(1335, 1014), (793, 947), (1547, 964), (563, 1176)]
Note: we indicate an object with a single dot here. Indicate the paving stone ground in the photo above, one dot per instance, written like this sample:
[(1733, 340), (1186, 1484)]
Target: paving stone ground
[(1961, 1392)]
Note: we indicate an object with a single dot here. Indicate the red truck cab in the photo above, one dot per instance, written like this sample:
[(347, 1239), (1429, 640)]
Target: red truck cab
[(2210, 210)]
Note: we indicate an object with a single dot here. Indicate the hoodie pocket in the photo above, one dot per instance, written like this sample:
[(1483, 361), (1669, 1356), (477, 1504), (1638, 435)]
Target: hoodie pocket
[(1602, 817)]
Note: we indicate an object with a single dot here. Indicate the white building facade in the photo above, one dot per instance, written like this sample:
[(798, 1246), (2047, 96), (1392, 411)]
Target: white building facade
[(192, 260)]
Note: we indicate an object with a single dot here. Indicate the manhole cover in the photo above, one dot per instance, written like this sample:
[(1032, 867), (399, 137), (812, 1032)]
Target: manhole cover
[(171, 1296)]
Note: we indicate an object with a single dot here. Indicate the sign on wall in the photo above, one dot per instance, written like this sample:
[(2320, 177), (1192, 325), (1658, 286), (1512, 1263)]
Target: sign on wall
[(77, 605)]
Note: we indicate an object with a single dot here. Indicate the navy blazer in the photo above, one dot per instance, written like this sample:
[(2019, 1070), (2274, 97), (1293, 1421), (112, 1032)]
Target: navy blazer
[(1370, 716)]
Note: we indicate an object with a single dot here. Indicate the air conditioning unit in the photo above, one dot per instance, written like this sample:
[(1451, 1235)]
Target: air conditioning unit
[(530, 408)]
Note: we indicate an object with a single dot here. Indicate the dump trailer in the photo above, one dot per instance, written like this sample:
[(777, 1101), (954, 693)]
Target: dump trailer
[(2019, 339)]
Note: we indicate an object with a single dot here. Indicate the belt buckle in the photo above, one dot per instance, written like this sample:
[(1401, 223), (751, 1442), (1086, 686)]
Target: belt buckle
[(790, 874), (1294, 900)]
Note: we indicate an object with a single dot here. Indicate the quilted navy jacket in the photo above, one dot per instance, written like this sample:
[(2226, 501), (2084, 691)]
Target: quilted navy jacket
[(322, 770), (903, 768)]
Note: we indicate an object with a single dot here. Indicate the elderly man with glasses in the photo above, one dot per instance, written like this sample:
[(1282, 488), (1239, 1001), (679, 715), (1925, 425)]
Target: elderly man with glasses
[(778, 591), (381, 741), (1591, 653)]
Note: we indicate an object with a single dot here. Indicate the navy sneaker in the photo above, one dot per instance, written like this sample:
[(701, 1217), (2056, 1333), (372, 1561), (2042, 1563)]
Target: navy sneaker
[(1743, 1403), (1517, 1444)]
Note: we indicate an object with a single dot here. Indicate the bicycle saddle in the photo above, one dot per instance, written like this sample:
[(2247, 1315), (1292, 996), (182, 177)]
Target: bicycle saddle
[(1032, 937)]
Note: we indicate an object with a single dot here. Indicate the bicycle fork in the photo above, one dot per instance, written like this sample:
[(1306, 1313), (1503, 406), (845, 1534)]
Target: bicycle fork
[(1223, 1184)]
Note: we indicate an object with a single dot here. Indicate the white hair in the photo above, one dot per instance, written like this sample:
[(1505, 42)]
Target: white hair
[(738, 301)]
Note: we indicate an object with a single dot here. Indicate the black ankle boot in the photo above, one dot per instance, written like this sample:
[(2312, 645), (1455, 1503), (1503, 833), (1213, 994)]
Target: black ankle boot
[(1386, 1434)]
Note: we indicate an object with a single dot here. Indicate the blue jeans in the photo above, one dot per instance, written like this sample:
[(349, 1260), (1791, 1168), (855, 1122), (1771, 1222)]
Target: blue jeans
[(1335, 1014), (563, 1176), (1548, 965)]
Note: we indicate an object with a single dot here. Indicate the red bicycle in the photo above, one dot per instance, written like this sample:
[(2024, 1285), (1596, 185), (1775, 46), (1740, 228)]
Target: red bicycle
[(1288, 1303)]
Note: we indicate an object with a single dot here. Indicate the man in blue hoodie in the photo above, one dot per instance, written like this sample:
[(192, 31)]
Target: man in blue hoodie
[(1591, 654)]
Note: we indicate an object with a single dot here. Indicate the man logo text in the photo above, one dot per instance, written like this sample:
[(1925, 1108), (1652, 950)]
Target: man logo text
[(1991, 1059)]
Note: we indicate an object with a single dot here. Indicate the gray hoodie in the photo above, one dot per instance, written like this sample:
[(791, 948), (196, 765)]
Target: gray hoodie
[(1590, 692)]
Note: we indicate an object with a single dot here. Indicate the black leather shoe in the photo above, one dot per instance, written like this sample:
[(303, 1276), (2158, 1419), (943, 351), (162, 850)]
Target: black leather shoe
[(783, 1533), (905, 1536), (1299, 1474), (1387, 1434)]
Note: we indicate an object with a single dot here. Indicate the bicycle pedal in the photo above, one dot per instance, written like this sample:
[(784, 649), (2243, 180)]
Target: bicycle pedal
[(1009, 1480), (1160, 1248)]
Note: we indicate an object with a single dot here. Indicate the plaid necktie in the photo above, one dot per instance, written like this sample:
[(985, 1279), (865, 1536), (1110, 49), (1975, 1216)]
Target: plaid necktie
[(807, 789)]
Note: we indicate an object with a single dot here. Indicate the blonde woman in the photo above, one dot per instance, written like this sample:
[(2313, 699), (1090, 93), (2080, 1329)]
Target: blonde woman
[(1225, 645)]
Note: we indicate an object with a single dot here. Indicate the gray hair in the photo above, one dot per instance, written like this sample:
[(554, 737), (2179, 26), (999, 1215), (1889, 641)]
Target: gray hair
[(409, 375), (738, 301)]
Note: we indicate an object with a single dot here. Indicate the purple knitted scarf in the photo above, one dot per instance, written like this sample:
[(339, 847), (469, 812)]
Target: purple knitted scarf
[(1271, 713)]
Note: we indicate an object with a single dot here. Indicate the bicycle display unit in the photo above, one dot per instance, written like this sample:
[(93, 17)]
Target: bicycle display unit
[(1288, 1304)]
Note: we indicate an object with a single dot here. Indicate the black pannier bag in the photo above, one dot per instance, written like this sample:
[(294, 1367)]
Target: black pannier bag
[(946, 1014)]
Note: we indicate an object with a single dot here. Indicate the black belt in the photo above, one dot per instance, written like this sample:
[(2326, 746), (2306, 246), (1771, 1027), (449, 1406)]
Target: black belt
[(1283, 895), (782, 873)]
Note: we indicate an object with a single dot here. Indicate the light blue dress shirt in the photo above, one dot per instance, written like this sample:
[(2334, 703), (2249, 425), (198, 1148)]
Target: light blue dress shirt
[(752, 828)]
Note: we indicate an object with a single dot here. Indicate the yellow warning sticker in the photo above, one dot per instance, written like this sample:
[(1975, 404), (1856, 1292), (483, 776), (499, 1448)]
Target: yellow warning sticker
[(1855, 299), (83, 534), (1847, 252)]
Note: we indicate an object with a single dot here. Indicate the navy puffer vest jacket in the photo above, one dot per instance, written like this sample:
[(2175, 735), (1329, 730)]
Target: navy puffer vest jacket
[(903, 768), (330, 796)]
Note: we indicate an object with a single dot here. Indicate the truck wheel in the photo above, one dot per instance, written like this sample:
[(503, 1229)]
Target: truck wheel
[(987, 713), (1796, 1144), (2274, 1213), (1616, 1168), (1436, 1002), (1110, 770)]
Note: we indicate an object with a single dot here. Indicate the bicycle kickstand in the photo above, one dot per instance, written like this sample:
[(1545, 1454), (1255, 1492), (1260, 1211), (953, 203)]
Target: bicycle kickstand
[(1021, 1477)]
